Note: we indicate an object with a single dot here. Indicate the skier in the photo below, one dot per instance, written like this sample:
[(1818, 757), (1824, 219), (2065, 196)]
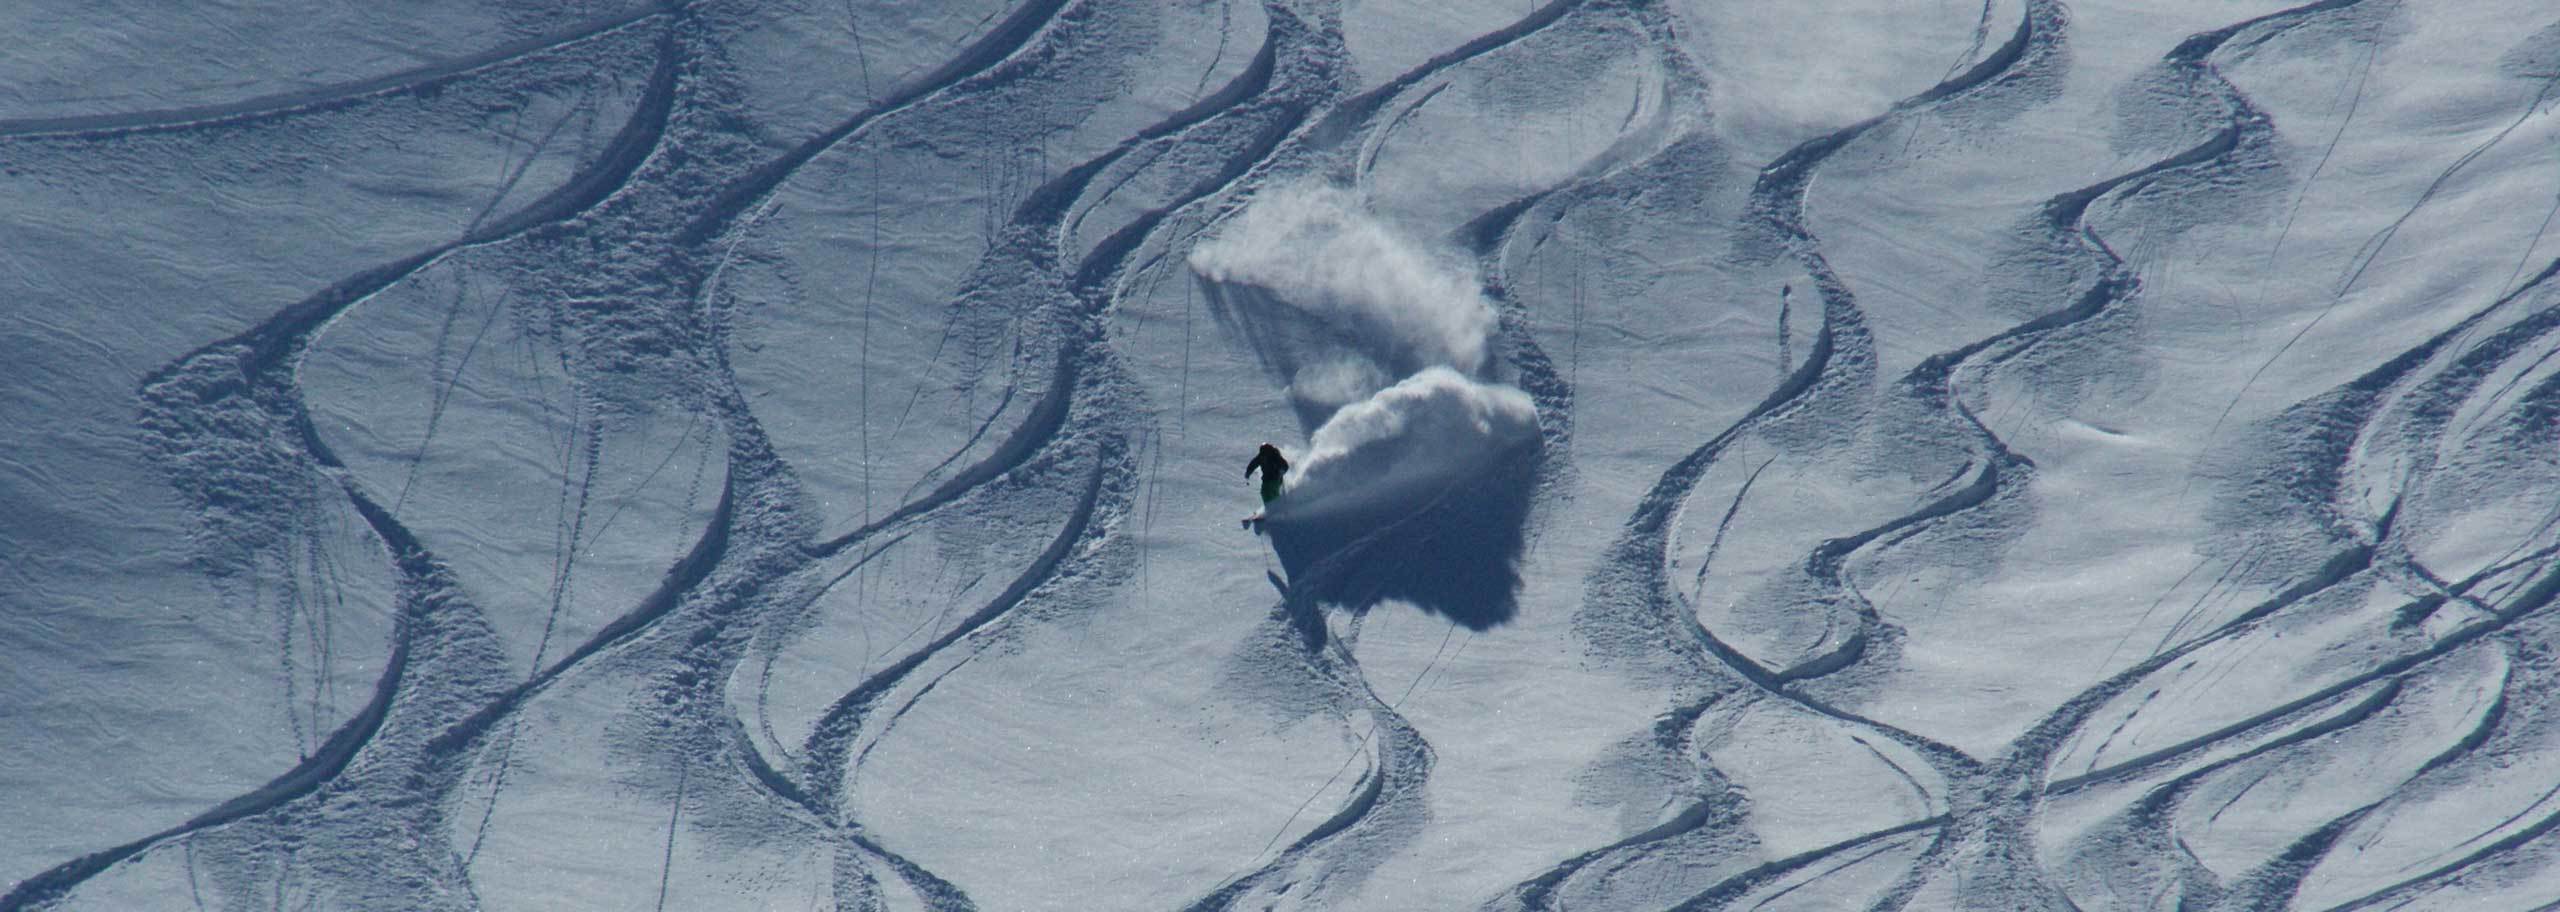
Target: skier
[(1274, 468)]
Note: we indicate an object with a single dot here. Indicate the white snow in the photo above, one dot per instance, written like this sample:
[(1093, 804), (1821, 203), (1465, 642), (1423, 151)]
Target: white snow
[(723, 455)]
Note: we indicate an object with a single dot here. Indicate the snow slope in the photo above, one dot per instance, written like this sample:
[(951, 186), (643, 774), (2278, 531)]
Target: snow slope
[(725, 454)]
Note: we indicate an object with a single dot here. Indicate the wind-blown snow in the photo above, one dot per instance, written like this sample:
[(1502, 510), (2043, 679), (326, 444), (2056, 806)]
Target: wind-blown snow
[(1398, 333), (1406, 443), (1312, 245)]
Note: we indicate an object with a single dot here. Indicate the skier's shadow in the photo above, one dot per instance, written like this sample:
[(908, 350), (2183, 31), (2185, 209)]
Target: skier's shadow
[(1457, 557)]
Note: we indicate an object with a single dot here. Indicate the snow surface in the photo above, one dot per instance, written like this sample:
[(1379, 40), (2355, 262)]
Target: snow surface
[(736, 455)]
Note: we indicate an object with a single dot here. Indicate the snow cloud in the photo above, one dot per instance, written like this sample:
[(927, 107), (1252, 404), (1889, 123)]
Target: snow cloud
[(1408, 442), (1403, 337), (1312, 245)]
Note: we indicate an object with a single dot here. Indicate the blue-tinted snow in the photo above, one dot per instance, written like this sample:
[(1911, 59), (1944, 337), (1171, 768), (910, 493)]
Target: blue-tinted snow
[(2014, 455)]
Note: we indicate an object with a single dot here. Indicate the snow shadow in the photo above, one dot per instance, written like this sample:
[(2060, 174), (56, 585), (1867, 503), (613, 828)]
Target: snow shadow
[(1456, 556)]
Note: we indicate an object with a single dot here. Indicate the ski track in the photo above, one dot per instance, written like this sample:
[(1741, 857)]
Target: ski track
[(1841, 363), (671, 185), (1389, 792), (1996, 801), (326, 98)]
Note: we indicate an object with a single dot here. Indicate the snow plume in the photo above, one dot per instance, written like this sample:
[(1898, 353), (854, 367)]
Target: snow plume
[(1311, 245), (1380, 343), (1407, 443)]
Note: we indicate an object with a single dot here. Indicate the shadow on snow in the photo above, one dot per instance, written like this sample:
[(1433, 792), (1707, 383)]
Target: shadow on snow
[(1457, 556)]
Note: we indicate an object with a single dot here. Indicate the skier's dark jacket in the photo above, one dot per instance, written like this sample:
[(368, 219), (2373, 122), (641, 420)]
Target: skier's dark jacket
[(1268, 459)]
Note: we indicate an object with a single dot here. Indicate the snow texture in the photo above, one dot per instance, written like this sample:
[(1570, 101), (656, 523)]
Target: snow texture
[(738, 454)]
